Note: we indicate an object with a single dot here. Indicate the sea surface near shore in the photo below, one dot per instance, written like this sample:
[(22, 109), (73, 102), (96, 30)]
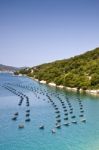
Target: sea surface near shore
[(80, 136), (75, 89)]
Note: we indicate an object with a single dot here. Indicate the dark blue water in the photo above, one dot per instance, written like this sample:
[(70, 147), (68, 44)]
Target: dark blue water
[(43, 103)]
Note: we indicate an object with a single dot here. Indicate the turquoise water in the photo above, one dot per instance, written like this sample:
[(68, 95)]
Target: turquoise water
[(76, 136)]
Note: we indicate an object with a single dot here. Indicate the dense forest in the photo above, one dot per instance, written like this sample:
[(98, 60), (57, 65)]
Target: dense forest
[(80, 71)]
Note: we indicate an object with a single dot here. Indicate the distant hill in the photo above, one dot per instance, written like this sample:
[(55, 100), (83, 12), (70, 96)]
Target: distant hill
[(8, 68), (80, 71)]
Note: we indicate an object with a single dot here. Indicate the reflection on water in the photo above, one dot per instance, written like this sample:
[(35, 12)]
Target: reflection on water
[(36, 116)]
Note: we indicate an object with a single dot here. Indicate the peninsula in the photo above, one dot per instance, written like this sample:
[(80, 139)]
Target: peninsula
[(77, 73)]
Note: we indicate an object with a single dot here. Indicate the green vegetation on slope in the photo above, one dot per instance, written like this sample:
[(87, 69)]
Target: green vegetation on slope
[(80, 71)]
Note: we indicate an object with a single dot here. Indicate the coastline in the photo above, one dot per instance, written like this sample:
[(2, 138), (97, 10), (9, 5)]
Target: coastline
[(52, 84)]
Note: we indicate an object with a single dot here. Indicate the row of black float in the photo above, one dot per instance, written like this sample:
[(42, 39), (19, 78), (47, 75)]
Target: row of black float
[(22, 98), (50, 97)]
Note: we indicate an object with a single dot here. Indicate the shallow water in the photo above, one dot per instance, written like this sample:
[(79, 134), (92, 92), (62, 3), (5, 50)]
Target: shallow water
[(80, 136)]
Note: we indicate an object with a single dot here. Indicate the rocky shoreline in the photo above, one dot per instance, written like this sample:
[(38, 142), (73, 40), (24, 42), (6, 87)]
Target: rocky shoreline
[(92, 92), (52, 84)]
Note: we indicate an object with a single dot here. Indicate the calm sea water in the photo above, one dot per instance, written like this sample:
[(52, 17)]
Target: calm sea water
[(41, 100)]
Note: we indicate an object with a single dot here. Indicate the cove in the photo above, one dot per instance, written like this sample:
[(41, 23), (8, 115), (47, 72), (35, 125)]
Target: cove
[(30, 112)]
